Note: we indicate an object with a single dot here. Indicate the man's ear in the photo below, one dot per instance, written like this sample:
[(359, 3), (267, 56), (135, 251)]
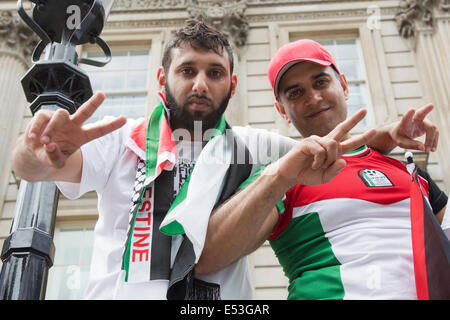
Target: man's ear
[(233, 85), (344, 85), (282, 111), (161, 77)]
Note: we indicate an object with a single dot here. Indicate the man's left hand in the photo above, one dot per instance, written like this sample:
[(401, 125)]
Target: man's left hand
[(413, 125)]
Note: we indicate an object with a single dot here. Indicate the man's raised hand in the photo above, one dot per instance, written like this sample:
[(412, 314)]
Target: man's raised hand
[(316, 160), (55, 135), (413, 125)]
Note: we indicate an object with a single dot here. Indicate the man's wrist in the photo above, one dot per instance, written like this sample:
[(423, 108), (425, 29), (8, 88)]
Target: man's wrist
[(280, 184)]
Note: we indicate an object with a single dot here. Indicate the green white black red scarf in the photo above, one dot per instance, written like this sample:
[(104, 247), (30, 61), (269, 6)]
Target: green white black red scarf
[(190, 211)]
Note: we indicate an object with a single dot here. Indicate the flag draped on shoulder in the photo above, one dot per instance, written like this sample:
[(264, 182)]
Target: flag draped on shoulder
[(190, 211), (155, 136), (431, 247), (192, 206)]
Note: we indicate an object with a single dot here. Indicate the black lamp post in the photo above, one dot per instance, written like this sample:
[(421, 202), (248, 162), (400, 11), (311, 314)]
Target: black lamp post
[(52, 83)]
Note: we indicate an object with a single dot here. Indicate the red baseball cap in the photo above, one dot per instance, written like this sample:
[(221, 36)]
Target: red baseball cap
[(294, 52)]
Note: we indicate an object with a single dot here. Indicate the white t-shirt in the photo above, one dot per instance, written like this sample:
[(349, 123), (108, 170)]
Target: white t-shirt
[(109, 168)]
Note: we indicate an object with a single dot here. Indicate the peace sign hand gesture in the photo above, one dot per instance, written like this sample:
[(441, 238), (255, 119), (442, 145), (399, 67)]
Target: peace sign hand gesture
[(53, 136), (315, 160), (413, 125)]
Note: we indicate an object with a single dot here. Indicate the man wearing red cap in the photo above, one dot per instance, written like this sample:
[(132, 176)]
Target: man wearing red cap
[(343, 238), (154, 208)]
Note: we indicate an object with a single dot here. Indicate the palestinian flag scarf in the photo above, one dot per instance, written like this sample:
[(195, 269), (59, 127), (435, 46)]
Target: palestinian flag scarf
[(214, 178), (431, 247)]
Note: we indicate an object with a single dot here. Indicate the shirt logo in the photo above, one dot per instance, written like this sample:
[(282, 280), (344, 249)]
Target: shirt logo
[(374, 178)]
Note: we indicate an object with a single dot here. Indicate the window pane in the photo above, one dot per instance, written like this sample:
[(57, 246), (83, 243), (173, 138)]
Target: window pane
[(54, 282), (138, 60), (129, 106), (86, 250), (355, 99), (114, 81), (69, 275), (137, 80), (137, 105), (347, 49), (124, 81), (68, 240), (350, 68), (96, 81), (351, 111), (354, 88), (356, 94)]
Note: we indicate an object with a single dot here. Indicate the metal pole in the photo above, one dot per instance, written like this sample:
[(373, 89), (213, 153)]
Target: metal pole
[(54, 83), (29, 250)]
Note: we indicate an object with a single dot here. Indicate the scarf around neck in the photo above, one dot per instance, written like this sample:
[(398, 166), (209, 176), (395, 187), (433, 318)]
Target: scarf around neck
[(191, 208)]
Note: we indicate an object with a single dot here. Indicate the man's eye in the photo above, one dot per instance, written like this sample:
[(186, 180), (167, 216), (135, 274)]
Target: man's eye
[(187, 71), (216, 73), (292, 94), (321, 82)]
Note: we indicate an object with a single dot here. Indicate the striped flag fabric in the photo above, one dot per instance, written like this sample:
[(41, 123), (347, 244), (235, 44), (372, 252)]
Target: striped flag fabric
[(431, 248), (198, 194), (160, 155)]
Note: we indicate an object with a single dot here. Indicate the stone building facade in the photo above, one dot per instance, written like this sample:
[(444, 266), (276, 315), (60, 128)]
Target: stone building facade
[(401, 50)]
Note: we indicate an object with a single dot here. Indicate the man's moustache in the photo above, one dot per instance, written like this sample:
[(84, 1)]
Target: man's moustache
[(197, 97)]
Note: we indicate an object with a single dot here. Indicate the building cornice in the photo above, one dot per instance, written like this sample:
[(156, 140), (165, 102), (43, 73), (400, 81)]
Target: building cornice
[(251, 15), (159, 5)]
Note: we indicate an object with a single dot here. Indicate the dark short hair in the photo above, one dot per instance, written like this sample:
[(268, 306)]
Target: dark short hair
[(199, 36)]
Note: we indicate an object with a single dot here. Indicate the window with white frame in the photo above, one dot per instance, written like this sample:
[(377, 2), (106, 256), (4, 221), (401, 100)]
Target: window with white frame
[(347, 54), (69, 274), (124, 81)]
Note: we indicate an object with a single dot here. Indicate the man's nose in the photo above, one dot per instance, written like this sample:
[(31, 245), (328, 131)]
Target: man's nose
[(200, 84), (314, 96)]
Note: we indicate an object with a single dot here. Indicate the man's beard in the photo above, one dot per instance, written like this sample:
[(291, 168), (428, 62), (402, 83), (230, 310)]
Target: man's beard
[(179, 116)]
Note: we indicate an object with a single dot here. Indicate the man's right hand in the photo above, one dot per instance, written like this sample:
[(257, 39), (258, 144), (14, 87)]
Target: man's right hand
[(55, 135), (52, 137), (316, 160)]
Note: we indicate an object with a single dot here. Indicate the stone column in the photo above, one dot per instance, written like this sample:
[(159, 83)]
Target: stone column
[(433, 68), (426, 27), (17, 42)]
